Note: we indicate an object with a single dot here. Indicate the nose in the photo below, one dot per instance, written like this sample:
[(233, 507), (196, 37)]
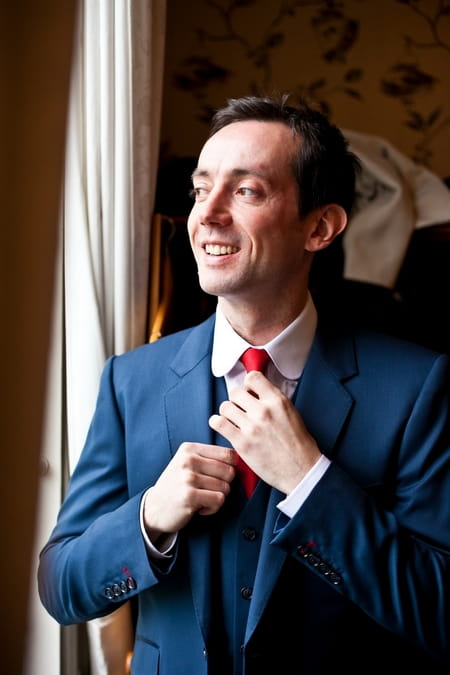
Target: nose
[(213, 209)]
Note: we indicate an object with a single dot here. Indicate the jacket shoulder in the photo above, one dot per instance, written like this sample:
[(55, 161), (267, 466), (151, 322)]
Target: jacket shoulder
[(187, 344)]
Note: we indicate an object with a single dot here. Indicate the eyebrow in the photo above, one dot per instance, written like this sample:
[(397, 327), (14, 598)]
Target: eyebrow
[(235, 173)]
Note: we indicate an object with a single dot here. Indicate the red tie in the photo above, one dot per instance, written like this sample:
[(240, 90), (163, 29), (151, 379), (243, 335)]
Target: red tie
[(253, 359)]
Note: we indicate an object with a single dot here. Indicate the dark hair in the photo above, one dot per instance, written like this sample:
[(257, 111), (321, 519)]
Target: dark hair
[(324, 167)]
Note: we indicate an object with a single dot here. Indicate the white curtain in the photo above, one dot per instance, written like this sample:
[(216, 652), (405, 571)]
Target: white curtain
[(112, 152), (113, 144)]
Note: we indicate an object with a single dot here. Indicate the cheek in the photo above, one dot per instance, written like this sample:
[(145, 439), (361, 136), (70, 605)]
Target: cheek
[(191, 226), (287, 242)]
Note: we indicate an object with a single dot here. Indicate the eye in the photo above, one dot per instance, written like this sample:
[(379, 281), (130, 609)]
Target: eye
[(246, 191), (197, 193)]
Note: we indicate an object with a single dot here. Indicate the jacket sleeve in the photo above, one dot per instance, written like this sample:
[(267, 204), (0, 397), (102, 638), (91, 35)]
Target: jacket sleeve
[(96, 557), (386, 547)]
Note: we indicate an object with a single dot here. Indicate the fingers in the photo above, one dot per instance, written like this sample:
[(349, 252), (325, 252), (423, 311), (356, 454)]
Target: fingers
[(196, 480), (267, 431), (205, 467), (253, 403), (215, 454), (203, 461), (257, 384), (225, 427)]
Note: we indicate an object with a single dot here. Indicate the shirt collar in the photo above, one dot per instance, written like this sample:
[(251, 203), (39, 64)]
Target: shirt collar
[(288, 350)]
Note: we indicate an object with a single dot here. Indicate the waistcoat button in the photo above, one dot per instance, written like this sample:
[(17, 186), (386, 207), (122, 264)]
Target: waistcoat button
[(246, 592), (249, 533)]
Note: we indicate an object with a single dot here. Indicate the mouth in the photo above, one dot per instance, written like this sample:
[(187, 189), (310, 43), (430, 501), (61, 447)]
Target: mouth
[(218, 249)]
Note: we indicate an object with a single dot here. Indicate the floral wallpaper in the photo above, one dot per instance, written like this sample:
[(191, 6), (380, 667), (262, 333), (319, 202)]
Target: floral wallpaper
[(380, 67)]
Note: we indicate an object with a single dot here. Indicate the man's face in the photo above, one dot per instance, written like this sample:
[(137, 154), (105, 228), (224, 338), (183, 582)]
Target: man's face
[(244, 228)]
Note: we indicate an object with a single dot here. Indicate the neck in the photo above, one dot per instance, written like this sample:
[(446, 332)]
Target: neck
[(260, 324)]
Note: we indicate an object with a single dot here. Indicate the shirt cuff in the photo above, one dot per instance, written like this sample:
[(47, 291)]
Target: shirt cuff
[(295, 499), (170, 541)]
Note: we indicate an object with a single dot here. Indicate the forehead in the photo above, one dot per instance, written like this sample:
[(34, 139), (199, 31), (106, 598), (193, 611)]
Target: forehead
[(250, 146)]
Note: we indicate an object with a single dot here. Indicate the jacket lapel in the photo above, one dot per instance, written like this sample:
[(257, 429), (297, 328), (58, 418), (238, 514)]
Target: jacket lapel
[(188, 406), (324, 403), (188, 403), (321, 397)]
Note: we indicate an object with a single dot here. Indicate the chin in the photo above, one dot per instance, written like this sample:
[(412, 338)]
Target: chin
[(219, 283), (212, 289)]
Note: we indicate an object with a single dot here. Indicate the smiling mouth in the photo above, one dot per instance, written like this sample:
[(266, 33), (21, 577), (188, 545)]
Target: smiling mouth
[(216, 249)]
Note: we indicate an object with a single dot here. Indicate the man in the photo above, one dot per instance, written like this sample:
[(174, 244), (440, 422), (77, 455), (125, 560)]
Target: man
[(341, 556)]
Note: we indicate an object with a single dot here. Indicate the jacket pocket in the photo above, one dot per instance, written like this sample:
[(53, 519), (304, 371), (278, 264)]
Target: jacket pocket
[(145, 659)]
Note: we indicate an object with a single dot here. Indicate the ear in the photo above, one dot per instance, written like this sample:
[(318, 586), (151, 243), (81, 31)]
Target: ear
[(326, 224)]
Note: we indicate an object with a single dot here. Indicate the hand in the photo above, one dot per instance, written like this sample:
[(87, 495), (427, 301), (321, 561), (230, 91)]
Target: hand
[(196, 480), (265, 428)]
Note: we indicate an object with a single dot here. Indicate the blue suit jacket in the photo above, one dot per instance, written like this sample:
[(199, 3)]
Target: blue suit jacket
[(358, 578)]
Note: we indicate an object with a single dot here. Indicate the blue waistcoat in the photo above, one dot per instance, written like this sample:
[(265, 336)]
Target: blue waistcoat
[(236, 555)]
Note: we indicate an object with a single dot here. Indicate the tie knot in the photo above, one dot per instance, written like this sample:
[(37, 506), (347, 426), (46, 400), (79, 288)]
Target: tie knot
[(255, 359)]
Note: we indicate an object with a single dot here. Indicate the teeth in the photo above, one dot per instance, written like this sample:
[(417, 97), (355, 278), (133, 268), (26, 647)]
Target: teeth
[(216, 249)]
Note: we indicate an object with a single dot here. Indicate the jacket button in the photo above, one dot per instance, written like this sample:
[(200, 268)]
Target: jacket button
[(249, 533), (131, 583), (123, 587), (246, 592), (108, 592), (324, 569), (313, 560), (116, 590), (335, 578)]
